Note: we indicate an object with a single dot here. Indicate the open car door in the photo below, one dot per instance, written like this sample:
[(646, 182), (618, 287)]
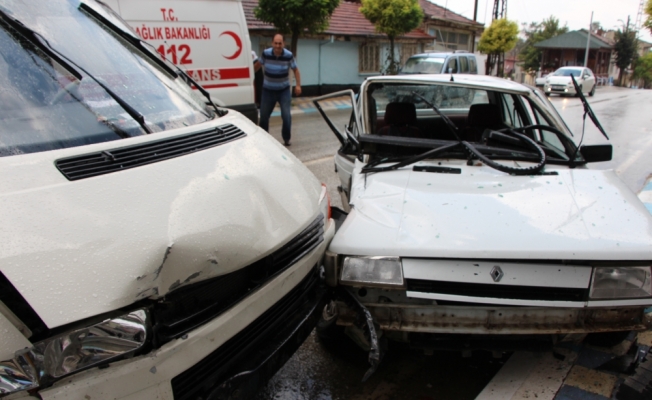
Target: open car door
[(347, 136)]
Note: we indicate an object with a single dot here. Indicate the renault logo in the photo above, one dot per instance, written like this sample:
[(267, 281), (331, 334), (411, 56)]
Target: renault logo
[(496, 273)]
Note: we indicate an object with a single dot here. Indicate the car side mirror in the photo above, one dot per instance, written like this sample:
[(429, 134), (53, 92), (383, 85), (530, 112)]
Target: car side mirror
[(597, 153)]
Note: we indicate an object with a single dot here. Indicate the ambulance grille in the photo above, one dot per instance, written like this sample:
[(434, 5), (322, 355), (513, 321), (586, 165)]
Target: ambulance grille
[(114, 160)]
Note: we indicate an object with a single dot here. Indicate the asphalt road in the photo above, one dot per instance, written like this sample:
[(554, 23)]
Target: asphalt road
[(316, 372)]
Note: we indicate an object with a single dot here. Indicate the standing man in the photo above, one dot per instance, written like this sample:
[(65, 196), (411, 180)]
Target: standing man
[(276, 85)]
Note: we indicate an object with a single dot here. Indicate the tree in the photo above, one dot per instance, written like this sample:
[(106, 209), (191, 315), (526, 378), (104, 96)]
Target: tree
[(643, 70), (393, 18), (648, 11), (500, 37), (296, 17), (626, 48), (530, 56)]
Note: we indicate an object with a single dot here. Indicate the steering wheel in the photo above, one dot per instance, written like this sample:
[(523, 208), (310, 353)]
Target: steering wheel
[(70, 88), (531, 144)]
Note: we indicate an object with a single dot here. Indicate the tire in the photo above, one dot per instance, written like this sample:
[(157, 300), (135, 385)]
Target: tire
[(592, 92), (547, 94), (327, 329), (606, 339)]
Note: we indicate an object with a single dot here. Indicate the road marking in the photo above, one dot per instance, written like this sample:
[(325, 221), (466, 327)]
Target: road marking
[(633, 159), (317, 161), (528, 375)]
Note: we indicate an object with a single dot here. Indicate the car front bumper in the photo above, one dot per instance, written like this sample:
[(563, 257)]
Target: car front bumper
[(474, 319), (559, 89), (228, 357)]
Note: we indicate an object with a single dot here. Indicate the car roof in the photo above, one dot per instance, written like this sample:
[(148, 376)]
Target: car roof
[(478, 81), (441, 54), (571, 68)]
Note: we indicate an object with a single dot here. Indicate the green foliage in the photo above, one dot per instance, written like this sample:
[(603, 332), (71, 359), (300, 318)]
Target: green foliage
[(625, 47), (500, 37), (648, 11), (643, 69), (393, 18), (296, 17), (529, 55)]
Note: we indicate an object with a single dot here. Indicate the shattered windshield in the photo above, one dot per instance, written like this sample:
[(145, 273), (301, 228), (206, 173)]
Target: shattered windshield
[(414, 121), (424, 65), (67, 80)]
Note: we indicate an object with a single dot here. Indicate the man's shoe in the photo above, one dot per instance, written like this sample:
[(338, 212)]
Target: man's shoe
[(287, 143)]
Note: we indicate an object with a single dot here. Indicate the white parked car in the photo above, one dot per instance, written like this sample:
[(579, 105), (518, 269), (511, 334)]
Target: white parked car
[(560, 82), (541, 81), (152, 245), (474, 216)]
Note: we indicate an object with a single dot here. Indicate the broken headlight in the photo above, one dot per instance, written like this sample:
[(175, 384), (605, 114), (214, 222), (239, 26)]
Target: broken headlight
[(621, 283), (386, 272), (73, 351)]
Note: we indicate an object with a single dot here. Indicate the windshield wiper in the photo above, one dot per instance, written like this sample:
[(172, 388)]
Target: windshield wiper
[(147, 48), (410, 160), (587, 109), (43, 44), (450, 124)]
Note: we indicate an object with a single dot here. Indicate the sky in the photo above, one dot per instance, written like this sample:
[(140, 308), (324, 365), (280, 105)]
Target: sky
[(575, 13)]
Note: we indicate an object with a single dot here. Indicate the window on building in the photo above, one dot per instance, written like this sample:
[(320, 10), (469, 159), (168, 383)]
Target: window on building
[(408, 50), (451, 40), (369, 58)]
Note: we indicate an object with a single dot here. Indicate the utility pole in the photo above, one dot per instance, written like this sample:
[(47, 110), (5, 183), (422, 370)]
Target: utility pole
[(475, 19), (588, 42)]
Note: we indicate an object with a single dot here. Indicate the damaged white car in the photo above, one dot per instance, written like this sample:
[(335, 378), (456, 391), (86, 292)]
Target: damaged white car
[(475, 222), (152, 245)]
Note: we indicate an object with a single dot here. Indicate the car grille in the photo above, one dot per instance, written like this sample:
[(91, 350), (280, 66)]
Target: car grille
[(191, 306), (197, 381), (498, 291), (114, 160)]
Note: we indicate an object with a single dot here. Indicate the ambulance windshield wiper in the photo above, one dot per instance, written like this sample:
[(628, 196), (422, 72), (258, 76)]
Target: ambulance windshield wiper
[(70, 65), (171, 68)]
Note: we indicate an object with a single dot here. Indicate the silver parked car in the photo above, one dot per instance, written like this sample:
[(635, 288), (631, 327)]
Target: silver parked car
[(441, 63)]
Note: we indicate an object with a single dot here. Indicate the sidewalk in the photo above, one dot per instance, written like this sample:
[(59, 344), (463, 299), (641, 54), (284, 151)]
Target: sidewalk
[(304, 105)]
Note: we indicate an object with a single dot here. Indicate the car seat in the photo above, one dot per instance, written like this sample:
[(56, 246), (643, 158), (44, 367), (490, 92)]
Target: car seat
[(400, 120), (480, 118)]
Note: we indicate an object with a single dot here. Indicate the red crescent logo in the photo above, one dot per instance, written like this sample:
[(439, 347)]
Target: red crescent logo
[(238, 43)]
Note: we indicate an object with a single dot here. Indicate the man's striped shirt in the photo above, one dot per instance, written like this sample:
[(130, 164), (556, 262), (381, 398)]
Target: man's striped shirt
[(277, 68)]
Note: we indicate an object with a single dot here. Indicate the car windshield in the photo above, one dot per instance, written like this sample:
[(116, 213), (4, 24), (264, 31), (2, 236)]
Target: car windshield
[(406, 119), (424, 65), (68, 80), (567, 72)]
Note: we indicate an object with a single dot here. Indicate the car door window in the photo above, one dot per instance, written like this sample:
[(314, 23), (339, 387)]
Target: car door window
[(473, 68), (511, 115), (452, 65), (464, 65)]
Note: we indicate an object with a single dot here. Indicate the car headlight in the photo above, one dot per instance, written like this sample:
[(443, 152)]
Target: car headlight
[(621, 282), (386, 272), (73, 351)]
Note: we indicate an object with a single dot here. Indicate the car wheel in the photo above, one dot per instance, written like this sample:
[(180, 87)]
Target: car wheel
[(547, 94), (606, 339), (327, 330), (592, 92)]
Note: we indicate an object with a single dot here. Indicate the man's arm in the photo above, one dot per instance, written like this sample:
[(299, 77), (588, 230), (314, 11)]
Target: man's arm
[(297, 77), (257, 65)]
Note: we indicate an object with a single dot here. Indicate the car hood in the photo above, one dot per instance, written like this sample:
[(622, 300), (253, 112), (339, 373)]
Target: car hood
[(78, 249), (483, 213)]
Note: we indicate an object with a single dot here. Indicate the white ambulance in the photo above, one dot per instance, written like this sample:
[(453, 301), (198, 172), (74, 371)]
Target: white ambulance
[(208, 39)]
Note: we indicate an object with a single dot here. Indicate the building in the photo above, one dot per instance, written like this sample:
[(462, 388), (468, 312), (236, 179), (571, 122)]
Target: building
[(350, 49), (569, 49)]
